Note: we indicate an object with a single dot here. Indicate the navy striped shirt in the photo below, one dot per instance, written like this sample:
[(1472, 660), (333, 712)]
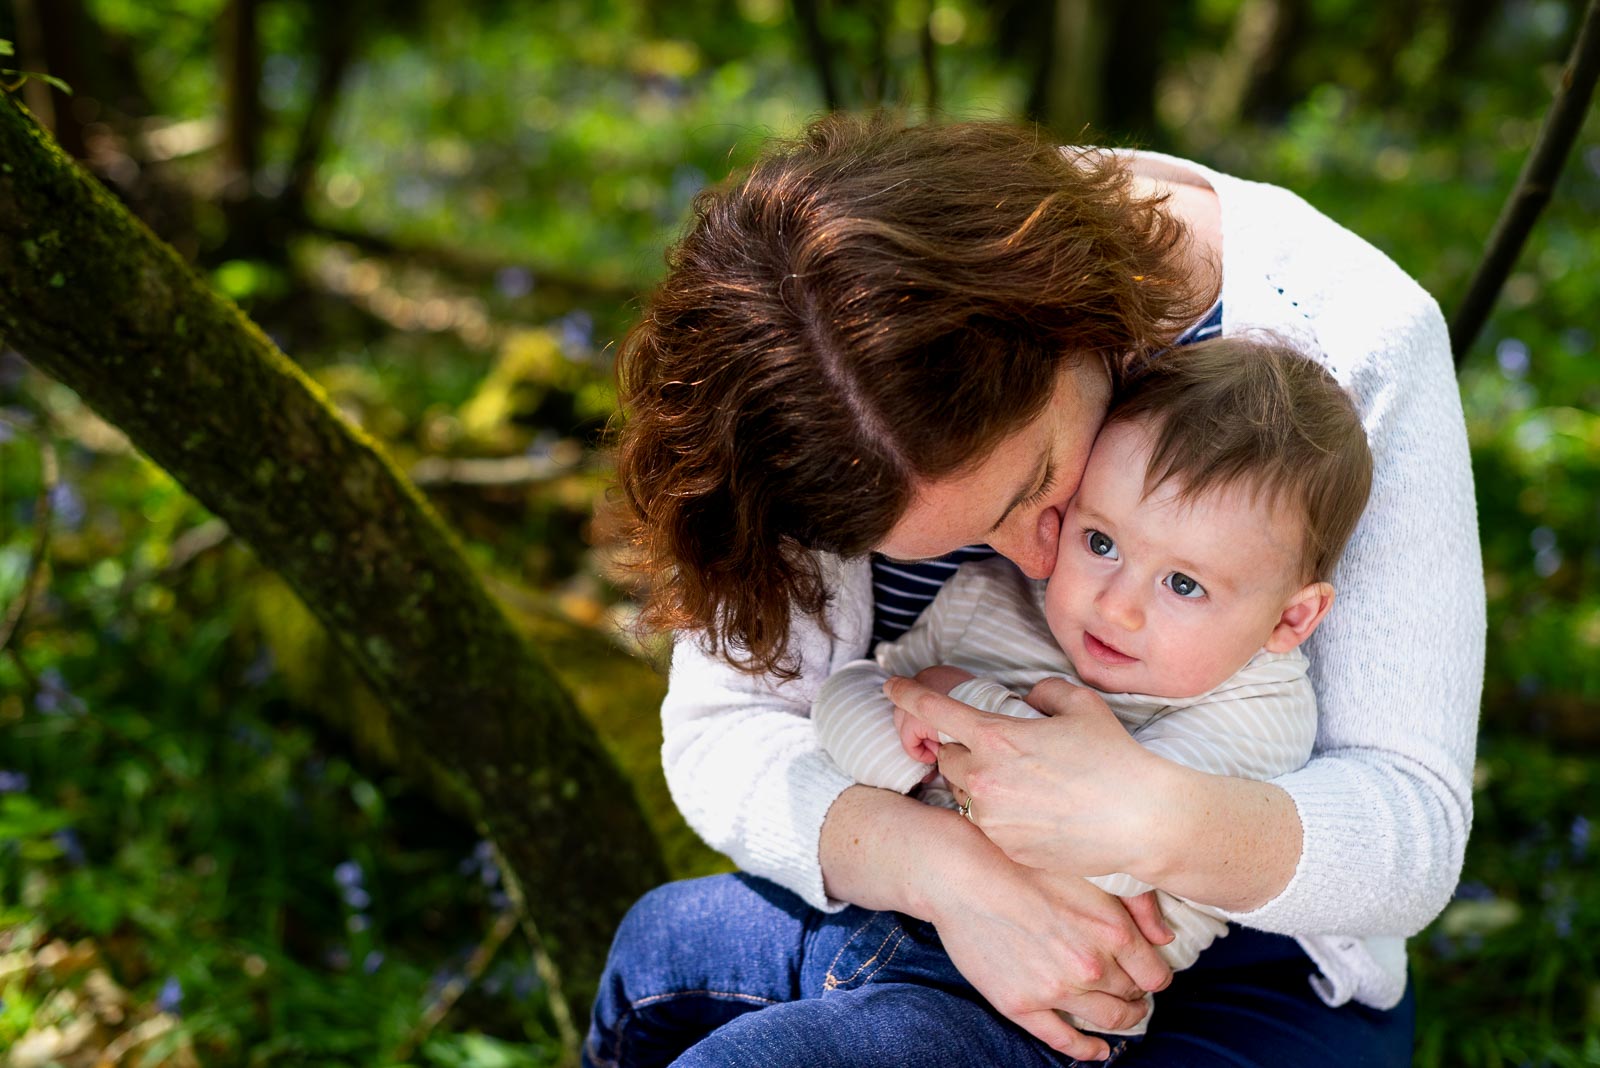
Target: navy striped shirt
[(902, 589)]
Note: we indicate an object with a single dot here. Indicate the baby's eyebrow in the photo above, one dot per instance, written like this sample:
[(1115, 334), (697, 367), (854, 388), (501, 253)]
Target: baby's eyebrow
[(1024, 492)]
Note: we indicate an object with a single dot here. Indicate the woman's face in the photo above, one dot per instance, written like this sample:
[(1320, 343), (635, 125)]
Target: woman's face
[(1015, 499)]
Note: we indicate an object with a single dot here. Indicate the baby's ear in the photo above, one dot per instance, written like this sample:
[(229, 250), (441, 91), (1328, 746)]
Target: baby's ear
[(1300, 617)]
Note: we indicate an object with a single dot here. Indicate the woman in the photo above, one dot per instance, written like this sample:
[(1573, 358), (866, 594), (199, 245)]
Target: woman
[(901, 342)]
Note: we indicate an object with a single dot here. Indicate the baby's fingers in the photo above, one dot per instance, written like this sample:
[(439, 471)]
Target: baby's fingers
[(916, 738)]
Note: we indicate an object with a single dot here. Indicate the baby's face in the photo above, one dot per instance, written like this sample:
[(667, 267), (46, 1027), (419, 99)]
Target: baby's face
[(1159, 596)]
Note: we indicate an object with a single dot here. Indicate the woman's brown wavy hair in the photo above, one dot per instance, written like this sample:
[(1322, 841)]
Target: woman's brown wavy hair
[(871, 306)]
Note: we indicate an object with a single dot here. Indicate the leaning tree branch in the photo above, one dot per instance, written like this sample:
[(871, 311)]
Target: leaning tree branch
[(91, 297), (1534, 185), (33, 579), (468, 265)]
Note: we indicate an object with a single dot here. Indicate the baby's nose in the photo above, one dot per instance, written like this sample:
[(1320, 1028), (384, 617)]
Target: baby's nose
[(1120, 607)]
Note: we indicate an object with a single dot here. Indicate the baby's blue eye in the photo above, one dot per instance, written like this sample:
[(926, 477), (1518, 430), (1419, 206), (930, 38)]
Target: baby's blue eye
[(1184, 586), (1101, 545)]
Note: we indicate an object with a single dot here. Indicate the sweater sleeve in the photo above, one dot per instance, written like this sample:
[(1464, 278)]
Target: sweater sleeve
[(741, 754), (855, 721), (1385, 803)]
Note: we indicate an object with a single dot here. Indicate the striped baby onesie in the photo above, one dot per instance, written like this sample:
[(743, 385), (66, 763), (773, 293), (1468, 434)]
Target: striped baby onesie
[(989, 619)]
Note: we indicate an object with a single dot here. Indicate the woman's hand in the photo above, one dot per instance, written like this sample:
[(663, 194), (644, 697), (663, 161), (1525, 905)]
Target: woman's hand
[(1052, 793), (1032, 942)]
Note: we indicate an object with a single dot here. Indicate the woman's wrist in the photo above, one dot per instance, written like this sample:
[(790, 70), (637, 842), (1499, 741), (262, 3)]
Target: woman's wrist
[(881, 850), (1221, 841), (1160, 820)]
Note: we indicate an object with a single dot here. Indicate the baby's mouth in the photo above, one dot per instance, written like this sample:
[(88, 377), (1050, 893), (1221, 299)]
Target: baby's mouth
[(1106, 654)]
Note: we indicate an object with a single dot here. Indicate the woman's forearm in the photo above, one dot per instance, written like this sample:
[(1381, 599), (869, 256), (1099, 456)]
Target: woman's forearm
[(1232, 843), (879, 848)]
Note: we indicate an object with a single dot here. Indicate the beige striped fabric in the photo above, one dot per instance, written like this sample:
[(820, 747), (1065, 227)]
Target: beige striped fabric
[(989, 619)]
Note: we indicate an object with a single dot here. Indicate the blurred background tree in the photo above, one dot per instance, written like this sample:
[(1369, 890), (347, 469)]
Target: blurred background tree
[(215, 844)]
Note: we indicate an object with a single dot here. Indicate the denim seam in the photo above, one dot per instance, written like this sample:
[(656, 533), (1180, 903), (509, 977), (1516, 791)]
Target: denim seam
[(833, 982), (829, 982), (634, 1006)]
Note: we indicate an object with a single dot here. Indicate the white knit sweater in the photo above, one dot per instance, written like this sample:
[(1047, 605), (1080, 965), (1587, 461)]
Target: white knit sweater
[(1385, 803)]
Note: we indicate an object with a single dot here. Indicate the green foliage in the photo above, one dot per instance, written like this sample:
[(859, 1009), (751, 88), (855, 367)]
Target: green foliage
[(20, 76), (165, 803)]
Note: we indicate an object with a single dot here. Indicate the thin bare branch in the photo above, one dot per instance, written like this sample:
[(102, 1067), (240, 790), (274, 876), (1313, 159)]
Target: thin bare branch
[(1534, 185)]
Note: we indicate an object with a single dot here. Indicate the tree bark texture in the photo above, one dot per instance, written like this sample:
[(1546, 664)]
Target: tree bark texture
[(90, 296)]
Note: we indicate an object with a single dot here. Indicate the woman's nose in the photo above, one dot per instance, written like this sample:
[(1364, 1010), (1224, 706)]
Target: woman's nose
[(1033, 550)]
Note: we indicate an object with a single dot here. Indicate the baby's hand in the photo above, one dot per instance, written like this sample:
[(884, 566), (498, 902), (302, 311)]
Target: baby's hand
[(916, 737), (942, 678)]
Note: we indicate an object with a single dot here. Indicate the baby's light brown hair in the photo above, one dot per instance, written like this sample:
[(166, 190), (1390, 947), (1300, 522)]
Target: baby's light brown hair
[(1253, 411)]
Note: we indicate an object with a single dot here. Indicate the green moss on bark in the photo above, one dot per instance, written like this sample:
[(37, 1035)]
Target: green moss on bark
[(90, 296)]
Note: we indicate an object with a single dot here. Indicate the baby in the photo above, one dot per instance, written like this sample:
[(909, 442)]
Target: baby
[(1194, 561)]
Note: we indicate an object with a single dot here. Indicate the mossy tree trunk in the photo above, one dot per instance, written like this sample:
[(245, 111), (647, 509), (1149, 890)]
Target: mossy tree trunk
[(90, 296)]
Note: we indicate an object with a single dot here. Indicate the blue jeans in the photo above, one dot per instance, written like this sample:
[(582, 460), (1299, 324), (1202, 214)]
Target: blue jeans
[(733, 970)]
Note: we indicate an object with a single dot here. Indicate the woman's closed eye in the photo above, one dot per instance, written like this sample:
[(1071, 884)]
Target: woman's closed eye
[(1045, 487), (1101, 545), (1184, 586)]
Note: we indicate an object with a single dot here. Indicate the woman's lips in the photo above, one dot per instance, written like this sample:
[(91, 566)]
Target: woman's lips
[(1104, 653)]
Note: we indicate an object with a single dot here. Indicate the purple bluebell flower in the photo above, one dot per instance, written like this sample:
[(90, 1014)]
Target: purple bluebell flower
[(52, 687), (372, 962), (440, 979), (13, 782), (1578, 835), (1562, 918), (55, 698), (249, 736), (1474, 891), (1512, 356), (261, 668), (12, 368), (483, 864), (525, 983), (170, 1000), (357, 898), (347, 874), (71, 847), (67, 504), (577, 331), (513, 282)]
